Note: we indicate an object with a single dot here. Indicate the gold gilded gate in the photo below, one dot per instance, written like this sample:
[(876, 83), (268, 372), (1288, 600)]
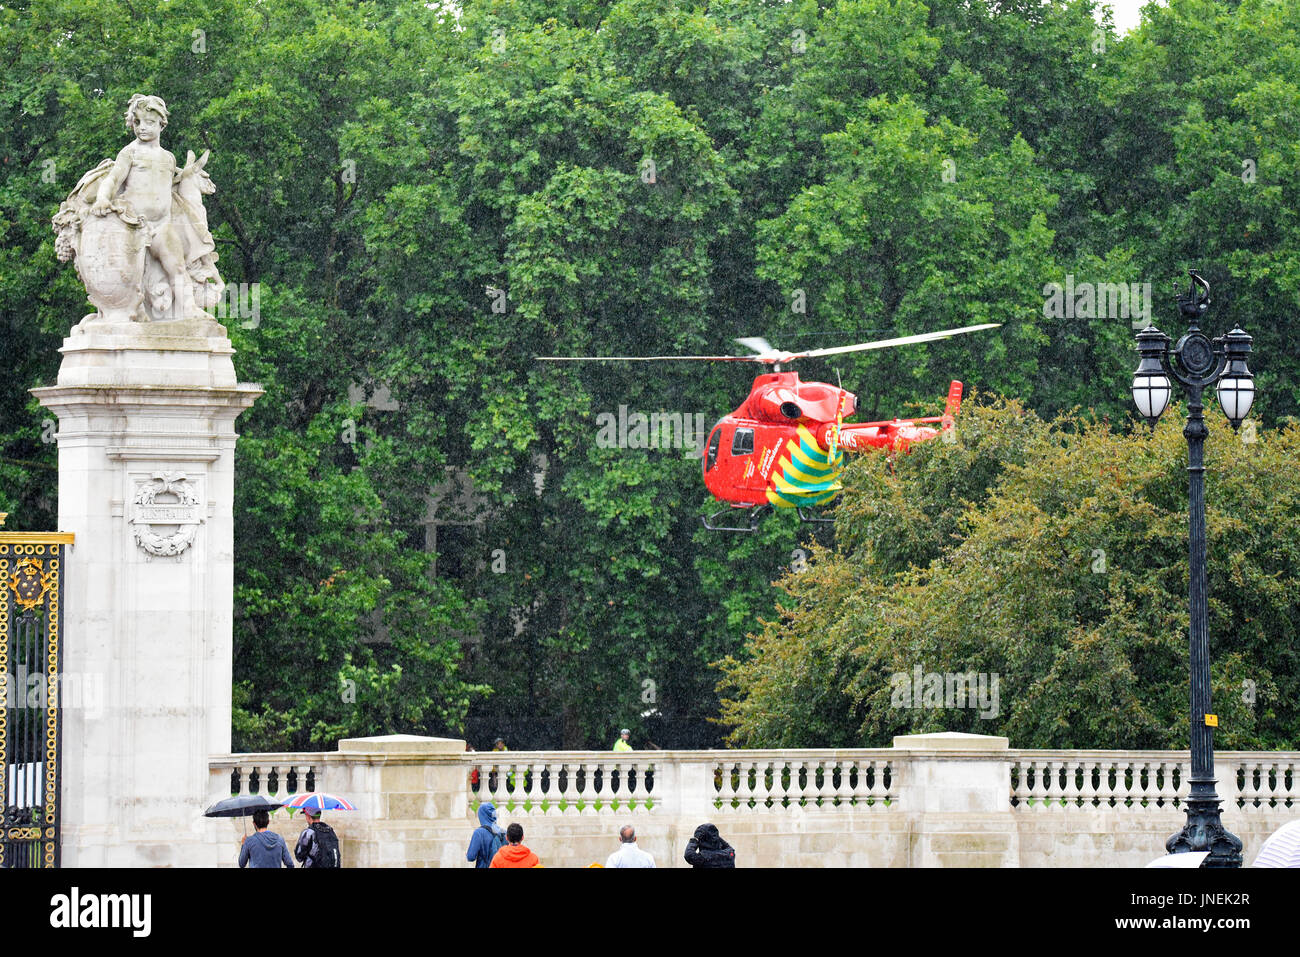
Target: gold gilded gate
[(31, 633)]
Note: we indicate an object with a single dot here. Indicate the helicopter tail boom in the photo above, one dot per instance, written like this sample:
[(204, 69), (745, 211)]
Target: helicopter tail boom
[(897, 434)]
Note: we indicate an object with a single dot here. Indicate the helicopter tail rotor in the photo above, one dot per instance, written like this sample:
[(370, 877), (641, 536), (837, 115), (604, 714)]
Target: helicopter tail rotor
[(953, 405)]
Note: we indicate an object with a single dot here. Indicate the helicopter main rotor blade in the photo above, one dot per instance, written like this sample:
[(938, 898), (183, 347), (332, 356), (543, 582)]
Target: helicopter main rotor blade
[(649, 358), (889, 343), (769, 356)]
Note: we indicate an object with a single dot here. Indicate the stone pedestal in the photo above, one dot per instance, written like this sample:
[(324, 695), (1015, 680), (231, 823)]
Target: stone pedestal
[(958, 797), (411, 797), (146, 483)]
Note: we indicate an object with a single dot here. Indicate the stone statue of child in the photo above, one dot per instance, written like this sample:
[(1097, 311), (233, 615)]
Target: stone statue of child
[(147, 259)]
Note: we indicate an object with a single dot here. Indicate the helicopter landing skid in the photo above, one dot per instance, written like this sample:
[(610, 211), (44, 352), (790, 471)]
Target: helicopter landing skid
[(812, 518), (755, 515)]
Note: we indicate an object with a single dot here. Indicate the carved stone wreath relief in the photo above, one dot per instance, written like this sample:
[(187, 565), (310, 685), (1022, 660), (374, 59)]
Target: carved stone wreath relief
[(166, 514)]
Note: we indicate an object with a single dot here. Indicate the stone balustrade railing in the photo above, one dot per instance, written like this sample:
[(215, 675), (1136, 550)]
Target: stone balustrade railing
[(275, 775), (1149, 780), (582, 782), (776, 780), (575, 782), (563, 782), (931, 800)]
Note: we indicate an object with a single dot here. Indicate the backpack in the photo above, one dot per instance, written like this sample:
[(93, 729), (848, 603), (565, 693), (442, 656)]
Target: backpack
[(325, 848), (496, 840)]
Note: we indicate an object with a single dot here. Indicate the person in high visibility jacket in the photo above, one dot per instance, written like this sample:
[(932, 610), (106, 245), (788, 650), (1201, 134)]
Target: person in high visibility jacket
[(622, 744)]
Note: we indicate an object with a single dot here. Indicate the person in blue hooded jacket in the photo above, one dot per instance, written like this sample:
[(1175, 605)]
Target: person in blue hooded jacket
[(489, 837)]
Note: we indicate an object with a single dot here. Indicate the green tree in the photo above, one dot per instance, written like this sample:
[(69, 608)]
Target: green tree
[(338, 628), (915, 228), (1065, 576), (636, 177)]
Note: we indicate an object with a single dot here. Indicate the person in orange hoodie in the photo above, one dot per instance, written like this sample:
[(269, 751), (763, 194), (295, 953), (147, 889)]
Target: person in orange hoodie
[(514, 854)]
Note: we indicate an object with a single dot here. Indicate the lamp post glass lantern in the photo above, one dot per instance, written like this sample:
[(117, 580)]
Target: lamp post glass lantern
[(1197, 363), (1151, 389), (1236, 389)]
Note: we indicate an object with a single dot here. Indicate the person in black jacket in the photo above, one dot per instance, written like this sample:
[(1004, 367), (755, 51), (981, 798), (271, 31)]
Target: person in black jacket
[(318, 845), (708, 849)]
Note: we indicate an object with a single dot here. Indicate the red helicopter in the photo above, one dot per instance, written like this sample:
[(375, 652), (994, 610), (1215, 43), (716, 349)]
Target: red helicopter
[(783, 448)]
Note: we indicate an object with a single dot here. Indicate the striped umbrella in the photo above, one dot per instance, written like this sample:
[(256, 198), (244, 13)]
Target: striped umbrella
[(318, 800), (1282, 849)]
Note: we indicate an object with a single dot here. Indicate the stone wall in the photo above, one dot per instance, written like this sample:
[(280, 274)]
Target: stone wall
[(943, 800)]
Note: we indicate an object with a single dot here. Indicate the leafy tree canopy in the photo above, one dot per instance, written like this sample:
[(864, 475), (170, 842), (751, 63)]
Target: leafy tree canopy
[(427, 196), (1053, 555)]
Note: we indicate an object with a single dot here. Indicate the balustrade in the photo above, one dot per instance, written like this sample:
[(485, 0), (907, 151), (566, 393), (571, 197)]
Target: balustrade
[(773, 785), (778, 782), (1041, 780), (1034, 807), (572, 783), (276, 776)]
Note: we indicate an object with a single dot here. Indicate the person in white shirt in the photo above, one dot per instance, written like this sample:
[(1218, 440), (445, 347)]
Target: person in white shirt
[(628, 854)]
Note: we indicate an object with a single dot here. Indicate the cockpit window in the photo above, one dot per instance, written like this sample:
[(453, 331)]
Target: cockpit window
[(711, 453), (743, 442)]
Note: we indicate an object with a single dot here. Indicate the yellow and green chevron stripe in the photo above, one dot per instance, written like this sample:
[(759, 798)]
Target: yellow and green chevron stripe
[(806, 474)]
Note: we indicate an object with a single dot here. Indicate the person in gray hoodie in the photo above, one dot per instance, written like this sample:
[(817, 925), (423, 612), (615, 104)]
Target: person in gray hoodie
[(489, 837), (264, 848)]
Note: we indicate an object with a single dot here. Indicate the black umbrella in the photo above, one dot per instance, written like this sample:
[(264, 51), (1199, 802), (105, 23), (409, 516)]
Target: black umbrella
[(242, 806)]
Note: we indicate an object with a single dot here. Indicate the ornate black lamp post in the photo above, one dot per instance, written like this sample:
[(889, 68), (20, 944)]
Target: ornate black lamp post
[(1197, 363)]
